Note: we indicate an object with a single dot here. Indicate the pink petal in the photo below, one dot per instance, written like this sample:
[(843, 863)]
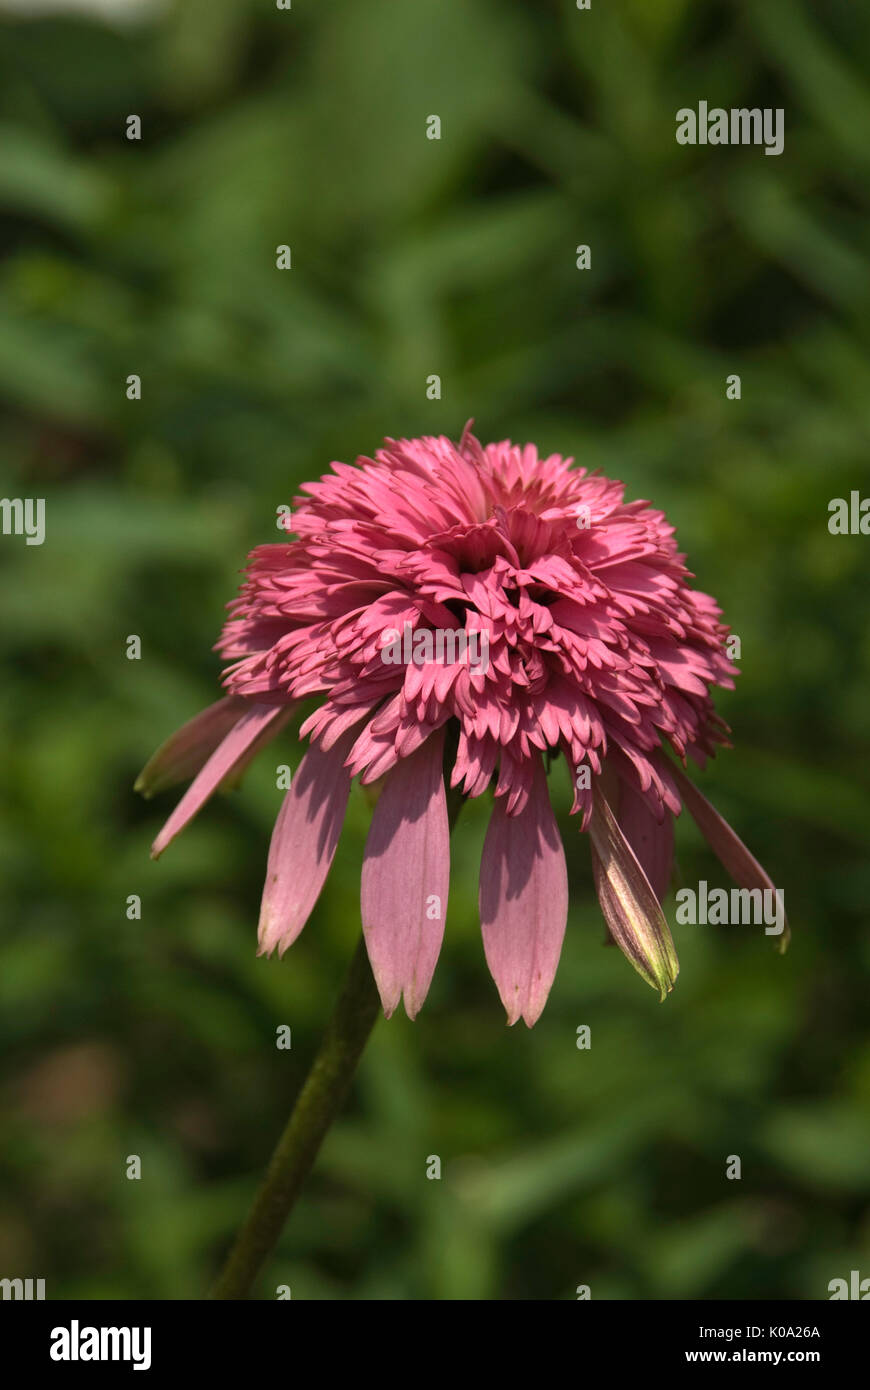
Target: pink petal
[(303, 843), (630, 907), (253, 723), (236, 773), (406, 877), (524, 900), (182, 755), (730, 850), (651, 840)]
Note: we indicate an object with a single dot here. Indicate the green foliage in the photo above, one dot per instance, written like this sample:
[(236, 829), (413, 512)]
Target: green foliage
[(156, 1037)]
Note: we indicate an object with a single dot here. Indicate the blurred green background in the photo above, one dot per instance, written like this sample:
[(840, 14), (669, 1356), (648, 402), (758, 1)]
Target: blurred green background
[(156, 1037)]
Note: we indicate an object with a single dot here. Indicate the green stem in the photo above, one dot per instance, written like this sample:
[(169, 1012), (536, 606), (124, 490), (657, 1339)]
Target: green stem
[(318, 1104)]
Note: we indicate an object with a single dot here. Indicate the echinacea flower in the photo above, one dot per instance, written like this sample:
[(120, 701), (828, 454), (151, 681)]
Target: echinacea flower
[(471, 612)]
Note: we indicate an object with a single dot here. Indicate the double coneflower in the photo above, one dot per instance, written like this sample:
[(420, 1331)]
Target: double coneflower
[(596, 647)]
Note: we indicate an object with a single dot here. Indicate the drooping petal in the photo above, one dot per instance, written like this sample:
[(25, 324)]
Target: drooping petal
[(406, 877), (227, 755), (182, 755), (303, 843), (651, 840), (729, 849), (237, 772), (524, 900), (630, 907)]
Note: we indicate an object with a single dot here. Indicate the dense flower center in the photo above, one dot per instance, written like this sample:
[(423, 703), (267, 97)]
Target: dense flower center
[(595, 643)]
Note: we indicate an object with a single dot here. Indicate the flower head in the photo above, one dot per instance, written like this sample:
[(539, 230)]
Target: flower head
[(470, 612)]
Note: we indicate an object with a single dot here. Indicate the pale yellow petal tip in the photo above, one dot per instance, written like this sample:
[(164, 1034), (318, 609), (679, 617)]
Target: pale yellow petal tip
[(666, 984), (267, 943), (141, 786)]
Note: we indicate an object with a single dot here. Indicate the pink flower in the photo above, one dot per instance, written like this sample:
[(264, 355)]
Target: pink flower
[(473, 611)]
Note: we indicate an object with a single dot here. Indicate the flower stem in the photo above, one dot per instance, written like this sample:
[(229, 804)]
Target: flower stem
[(318, 1104), (320, 1100)]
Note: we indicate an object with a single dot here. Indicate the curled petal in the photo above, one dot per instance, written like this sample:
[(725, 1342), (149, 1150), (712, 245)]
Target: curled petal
[(630, 907), (524, 900), (651, 840), (182, 755), (729, 849), (406, 877)]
